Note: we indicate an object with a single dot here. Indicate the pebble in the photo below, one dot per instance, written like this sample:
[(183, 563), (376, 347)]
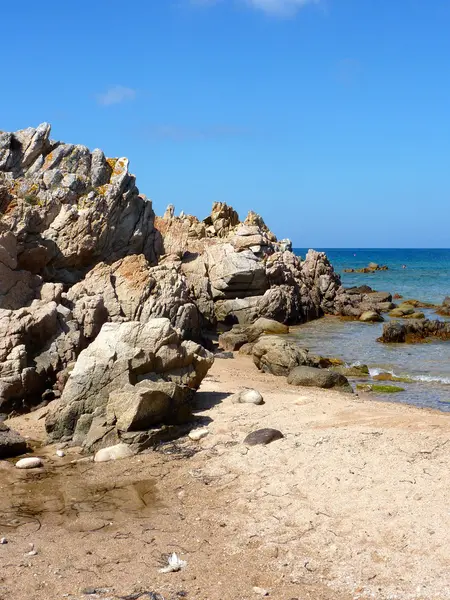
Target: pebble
[(263, 437), (198, 434), (29, 463), (260, 591), (247, 396), (60, 453), (3, 540), (116, 452)]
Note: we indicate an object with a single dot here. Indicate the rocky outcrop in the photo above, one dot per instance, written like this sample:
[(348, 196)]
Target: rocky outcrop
[(132, 290), (371, 268), (64, 209), (134, 375), (414, 331), (240, 334), (354, 302)]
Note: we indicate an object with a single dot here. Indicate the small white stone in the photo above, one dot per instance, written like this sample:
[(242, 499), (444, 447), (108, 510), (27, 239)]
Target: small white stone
[(198, 434), (113, 453), (3, 541), (29, 463), (260, 591), (60, 453), (32, 553), (247, 396)]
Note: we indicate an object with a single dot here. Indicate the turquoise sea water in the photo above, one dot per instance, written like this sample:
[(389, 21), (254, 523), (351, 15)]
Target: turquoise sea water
[(427, 278)]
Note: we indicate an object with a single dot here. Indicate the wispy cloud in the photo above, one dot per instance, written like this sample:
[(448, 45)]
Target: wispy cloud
[(176, 133), (116, 94), (271, 7)]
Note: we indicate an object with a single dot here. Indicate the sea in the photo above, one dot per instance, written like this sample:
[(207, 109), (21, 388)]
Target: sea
[(421, 274)]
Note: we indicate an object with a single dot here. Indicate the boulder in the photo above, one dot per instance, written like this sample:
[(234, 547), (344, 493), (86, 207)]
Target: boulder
[(123, 355), (148, 403), (370, 316), (235, 274), (117, 452), (247, 396), (11, 443), (278, 356), (414, 330), (240, 335), (321, 378)]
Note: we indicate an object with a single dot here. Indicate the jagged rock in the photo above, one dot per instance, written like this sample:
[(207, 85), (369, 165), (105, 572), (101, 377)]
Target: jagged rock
[(133, 291), (278, 356), (69, 208), (125, 354), (11, 443), (235, 274), (414, 331), (322, 378)]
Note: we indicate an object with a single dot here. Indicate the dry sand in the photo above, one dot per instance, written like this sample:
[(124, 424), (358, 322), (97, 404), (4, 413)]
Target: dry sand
[(352, 503)]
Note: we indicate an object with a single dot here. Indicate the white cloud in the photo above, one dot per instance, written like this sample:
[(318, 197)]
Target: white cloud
[(272, 7), (116, 94), (280, 7)]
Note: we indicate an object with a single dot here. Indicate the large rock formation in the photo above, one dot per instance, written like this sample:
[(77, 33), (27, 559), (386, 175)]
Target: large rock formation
[(80, 248), (63, 209), (134, 375)]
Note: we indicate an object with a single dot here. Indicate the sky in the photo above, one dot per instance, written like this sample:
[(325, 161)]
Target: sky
[(328, 117)]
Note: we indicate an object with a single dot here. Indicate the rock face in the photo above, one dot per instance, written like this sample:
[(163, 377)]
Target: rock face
[(322, 378), (11, 443), (134, 375), (414, 331)]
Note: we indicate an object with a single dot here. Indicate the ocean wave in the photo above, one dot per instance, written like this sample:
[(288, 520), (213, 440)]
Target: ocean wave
[(373, 372)]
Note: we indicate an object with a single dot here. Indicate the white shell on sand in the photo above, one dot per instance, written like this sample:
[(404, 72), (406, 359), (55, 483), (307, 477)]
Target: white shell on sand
[(113, 453), (29, 463), (198, 434)]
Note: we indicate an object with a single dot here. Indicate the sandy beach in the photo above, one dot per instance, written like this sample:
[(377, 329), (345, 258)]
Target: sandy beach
[(351, 503)]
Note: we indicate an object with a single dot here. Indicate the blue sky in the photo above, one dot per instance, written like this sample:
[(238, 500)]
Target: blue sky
[(329, 117)]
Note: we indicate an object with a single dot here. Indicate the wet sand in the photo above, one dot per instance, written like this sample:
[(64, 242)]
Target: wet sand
[(351, 503)]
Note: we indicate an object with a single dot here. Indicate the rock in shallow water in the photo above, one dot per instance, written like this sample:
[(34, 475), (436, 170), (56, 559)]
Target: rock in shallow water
[(263, 437)]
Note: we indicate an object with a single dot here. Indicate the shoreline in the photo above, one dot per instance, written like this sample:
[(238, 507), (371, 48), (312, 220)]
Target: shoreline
[(351, 502)]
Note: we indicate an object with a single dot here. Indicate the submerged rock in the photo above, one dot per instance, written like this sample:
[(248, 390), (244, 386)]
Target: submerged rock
[(416, 330)]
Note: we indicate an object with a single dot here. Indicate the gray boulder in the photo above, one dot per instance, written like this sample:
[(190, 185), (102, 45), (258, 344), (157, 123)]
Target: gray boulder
[(123, 355), (11, 443), (322, 378), (235, 274), (278, 356)]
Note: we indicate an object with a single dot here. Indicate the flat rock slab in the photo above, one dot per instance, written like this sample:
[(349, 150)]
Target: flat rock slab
[(263, 437)]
